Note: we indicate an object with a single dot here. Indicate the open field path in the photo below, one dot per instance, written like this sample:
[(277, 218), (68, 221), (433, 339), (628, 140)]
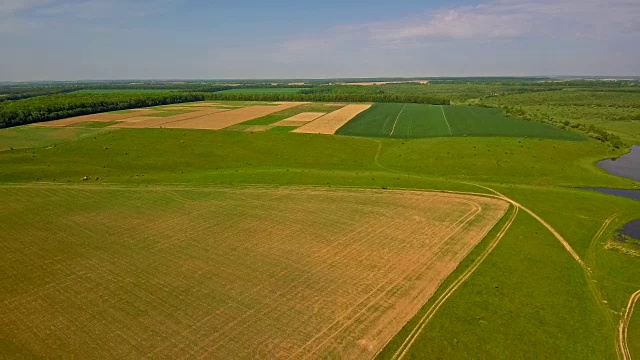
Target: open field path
[(396, 122), (445, 120), (408, 342), (553, 231), (624, 326), (621, 348), (590, 259)]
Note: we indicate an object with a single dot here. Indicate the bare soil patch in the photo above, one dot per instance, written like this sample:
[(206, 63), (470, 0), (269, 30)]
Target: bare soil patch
[(300, 119), (157, 122), (225, 273), (102, 117), (231, 117), (331, 122)]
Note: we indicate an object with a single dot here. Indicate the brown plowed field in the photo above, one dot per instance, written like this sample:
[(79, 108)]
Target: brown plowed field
[(299, 119), (102, 117), (331, 122), (231, 117), (156, 122), (168, 272)]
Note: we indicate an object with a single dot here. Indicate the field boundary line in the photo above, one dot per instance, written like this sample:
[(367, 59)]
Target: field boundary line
[(396, 122), (590, 258), (476, 209), (624, 326), (553, 231), (445, 120), (384, 126), (417, 330)]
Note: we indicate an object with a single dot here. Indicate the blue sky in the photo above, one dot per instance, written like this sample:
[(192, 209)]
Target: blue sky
[(188, 39)]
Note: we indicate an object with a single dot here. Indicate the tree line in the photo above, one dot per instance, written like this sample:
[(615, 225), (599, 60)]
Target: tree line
[(332, 97), (53, 107)]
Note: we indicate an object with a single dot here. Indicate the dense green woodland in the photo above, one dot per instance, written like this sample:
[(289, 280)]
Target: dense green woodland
[(51, 107)]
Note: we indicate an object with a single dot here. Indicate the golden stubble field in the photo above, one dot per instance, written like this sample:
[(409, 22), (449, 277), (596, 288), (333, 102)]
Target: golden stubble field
[(106, 272), (218, 116)]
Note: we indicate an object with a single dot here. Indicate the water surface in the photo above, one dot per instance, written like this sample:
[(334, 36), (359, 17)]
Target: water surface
[(626, 166), (631, 194), (631, 229)]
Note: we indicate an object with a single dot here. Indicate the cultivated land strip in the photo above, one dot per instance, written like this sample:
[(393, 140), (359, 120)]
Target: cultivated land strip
[(299, 119), (101, 117), (229, 118), (331, 122), (377, 257), (151, 122)]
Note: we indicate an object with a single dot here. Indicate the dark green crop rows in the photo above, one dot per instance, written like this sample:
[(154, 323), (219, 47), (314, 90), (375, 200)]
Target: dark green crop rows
[(406, 121)]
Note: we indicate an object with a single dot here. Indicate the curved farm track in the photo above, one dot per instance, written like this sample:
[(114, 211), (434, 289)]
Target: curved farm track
[(406, 345), (621, 347), (624, 326)]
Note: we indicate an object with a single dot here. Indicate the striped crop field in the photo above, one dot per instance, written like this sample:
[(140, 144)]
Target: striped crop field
[(406, 121), (178, 272)]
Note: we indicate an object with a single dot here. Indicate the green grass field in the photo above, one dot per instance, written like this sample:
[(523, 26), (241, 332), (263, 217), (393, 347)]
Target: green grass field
[(406, 121), (35, 137), (529, 298)]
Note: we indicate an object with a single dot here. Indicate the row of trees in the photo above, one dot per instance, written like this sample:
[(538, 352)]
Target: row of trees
[(52, 107), (332, 97), (10, 94)]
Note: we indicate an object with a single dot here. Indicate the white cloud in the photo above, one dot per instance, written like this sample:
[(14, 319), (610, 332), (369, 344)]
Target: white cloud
[(494, 20), (508, 19)]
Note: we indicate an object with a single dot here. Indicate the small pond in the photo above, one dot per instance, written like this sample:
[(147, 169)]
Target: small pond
[(626, 166), (631, 194), (631, 229)]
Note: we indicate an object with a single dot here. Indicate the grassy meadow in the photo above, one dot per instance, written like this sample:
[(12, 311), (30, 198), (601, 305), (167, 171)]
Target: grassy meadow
[(528, 297)]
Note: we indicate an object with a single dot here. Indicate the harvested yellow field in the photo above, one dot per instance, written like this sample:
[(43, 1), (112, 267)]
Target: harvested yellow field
[(232, 117), (156, 122), (202, 104), (102, 117), (243, 273), (331, 122), (299, 119)]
